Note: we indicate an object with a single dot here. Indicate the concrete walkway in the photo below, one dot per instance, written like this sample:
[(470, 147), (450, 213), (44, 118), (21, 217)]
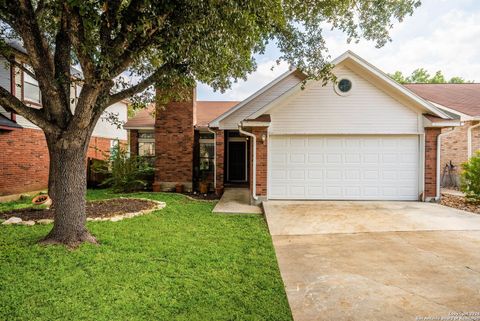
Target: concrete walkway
[(236, 201), (376, 260)]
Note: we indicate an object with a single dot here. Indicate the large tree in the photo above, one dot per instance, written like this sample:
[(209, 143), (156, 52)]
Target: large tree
[(168, 43), (422, 76)]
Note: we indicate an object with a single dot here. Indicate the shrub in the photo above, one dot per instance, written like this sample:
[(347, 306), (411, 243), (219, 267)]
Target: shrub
[(470, 178), (125, 173)]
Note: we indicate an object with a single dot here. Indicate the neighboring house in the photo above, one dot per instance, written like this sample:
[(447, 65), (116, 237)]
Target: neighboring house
[(461, 101), (24, 159), (364, 138)]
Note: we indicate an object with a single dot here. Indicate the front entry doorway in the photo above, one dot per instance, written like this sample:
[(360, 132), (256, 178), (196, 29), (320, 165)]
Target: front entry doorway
[(237, 169)]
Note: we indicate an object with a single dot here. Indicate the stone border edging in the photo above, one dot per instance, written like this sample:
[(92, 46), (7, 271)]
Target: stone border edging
[(160, 205)]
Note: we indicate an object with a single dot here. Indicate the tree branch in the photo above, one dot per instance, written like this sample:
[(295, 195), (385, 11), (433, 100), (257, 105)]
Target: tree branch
[(62, 60), (34, 115), (138, 88), (79, 42)]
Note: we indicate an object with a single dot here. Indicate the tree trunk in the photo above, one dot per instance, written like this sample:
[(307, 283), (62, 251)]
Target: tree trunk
[(67, 187)]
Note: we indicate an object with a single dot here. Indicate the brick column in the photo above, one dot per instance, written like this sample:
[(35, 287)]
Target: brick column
[(261, 159), (431, 136), (133, 142), (219, 161), (174, 138)]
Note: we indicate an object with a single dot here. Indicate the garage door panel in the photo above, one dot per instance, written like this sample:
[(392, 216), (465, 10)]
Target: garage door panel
[(344, 167)]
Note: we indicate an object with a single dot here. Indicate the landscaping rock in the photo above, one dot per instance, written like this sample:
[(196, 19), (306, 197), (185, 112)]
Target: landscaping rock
[(28, 223), (12, 220), (45, 221)]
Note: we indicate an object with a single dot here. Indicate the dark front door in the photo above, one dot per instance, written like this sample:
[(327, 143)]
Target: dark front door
[(237, 161)]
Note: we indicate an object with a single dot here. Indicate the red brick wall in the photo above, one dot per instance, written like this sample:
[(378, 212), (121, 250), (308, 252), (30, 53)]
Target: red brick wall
[(24, 159), (431, 135), (261, 159), (174, 138), (133, 142), (455, 145), (220, 160)]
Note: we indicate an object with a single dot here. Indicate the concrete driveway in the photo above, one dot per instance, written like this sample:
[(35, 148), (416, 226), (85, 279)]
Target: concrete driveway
[(377, 260)]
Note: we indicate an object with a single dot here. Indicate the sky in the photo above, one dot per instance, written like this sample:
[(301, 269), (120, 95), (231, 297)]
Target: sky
[(440, 35)]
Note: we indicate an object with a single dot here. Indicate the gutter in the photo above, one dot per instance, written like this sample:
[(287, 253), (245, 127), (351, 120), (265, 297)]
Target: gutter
[(439, 147), (214, 158), (254, 161), (469, 139)]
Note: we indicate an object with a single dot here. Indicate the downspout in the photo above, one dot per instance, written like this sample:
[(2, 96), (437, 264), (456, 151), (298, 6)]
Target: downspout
[(439, 147), (214, 158), (254, 161), (469, 139)]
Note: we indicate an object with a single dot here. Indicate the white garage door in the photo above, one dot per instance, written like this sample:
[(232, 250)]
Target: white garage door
[(344, 167)]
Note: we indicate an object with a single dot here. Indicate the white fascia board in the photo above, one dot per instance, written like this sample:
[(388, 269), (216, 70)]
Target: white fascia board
[(278, 100), (450, 123), (253, 123), (216, 121), (462, 116)]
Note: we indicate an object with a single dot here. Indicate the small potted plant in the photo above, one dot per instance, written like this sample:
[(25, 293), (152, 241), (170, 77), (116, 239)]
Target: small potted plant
[(203, 184), (42, 201)]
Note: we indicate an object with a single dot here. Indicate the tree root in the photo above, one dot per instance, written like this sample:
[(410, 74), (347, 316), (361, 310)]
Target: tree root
[(70, 240)]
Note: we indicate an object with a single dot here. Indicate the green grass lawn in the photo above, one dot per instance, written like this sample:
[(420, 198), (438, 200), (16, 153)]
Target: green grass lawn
[(180, 263)]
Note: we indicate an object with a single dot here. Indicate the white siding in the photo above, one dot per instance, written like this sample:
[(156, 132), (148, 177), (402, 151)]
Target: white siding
[(5, 74), (366, 110), (103, 128), (106, 129), (231, 122)]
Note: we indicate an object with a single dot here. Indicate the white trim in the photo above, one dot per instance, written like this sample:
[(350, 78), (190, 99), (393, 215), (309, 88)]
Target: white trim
[(452, 123), (253, 123), (453, 111), (341, 93), (469, 140), (254, 161), (421, 158), (439, 150), (421, 166), (216, 121), (370, 68)]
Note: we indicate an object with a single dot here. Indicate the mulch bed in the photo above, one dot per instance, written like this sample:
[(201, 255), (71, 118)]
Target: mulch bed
[(460, 203), (95, 209)]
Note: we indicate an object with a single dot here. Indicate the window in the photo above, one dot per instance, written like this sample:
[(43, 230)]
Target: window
[(343, 87), (206, 153), (146, 143), (31, 92)]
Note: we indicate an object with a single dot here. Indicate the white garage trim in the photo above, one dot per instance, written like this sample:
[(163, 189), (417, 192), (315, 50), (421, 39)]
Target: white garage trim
[(346, 167)]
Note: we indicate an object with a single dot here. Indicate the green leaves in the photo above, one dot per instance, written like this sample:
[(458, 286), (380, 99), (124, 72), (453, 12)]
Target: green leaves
[(470, 178), (421, 76), (124, 173)]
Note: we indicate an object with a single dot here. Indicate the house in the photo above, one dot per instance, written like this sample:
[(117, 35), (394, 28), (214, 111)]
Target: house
[(364, 137), (461, 101), (24, 160)]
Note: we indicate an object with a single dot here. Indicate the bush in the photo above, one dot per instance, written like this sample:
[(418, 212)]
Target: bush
[(470, 178), (124, 173)]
